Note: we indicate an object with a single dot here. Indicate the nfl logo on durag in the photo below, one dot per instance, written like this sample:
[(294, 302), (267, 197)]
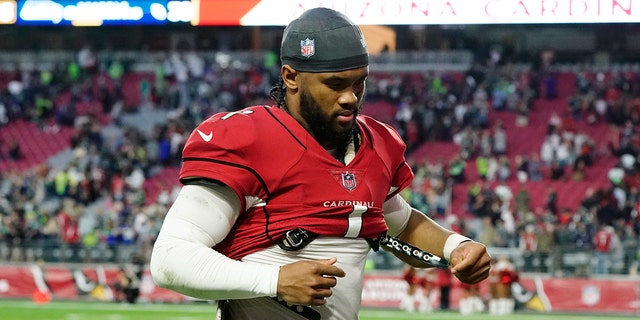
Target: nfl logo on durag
[(307, 48), (348, 181)]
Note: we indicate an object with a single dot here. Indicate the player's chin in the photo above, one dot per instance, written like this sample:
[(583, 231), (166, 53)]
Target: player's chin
[(343, 129)]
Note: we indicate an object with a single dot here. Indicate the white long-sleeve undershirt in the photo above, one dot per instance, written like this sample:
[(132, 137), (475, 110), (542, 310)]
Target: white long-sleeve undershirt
[(183, 259)]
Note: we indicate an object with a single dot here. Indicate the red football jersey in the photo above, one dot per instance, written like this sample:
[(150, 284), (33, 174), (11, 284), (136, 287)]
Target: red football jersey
[(285, 179)]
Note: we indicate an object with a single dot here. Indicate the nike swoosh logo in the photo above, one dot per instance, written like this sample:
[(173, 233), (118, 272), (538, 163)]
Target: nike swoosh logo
[(205, 137)]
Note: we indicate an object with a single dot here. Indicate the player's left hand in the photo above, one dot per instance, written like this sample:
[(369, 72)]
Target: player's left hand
[(470, 262)]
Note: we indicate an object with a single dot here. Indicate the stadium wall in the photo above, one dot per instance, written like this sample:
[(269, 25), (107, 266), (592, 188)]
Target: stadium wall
[(381, 289)]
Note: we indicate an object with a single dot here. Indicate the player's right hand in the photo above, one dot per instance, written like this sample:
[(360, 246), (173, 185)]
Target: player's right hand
[(308, 282)]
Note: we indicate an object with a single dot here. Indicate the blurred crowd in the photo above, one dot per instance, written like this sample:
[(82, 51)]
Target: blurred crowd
[(94, 208)]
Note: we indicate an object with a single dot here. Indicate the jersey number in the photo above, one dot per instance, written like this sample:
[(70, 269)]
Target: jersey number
[(354, 222), (231, 114)]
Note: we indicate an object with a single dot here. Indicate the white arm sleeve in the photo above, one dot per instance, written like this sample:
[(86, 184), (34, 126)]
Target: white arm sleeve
[(396, 214), (183, 259)]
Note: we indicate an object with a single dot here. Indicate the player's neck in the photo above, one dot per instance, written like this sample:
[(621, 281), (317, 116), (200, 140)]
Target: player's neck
[(345, 153)]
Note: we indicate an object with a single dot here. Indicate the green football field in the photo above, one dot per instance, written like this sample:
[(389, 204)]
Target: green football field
[(27, 310)]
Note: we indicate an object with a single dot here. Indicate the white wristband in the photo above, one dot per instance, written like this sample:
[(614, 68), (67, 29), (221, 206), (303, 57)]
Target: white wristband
[(453, 241)]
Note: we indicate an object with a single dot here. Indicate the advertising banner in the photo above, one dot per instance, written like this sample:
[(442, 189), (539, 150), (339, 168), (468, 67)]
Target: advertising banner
[(380, 290), (102, 13), (281, 12), (420, 12)]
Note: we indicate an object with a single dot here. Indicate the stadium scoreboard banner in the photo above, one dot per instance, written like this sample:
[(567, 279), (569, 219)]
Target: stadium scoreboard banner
[(95, 13), (421, 12), (281, 12)]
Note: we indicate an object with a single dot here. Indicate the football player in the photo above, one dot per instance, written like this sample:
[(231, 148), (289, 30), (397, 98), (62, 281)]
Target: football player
[(280, 205)]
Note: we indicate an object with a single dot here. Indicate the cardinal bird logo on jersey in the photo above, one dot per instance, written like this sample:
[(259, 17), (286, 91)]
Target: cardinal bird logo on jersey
[(307, 48)]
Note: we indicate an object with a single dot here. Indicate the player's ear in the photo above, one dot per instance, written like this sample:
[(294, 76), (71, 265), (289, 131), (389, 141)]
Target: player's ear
[(290, 77)]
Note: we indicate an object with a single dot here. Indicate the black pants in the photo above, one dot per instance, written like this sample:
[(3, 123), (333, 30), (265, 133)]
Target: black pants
[(444, 298), (131, 294)]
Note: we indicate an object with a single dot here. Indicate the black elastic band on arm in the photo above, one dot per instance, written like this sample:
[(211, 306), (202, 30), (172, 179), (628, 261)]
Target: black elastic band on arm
[(413, 252)]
